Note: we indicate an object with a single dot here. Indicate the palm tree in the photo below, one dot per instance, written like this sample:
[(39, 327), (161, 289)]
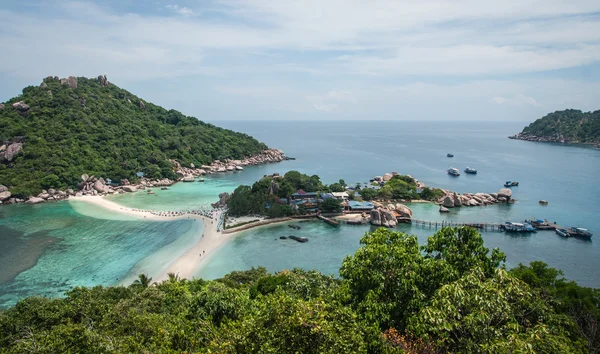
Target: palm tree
[(173, 278), (143, 280)]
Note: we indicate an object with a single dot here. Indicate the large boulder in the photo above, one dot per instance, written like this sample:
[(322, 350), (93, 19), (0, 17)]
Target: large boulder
[(11, 151), (444, 210), (388, 219), (130, 189), (387, 176), (142, 105), (3, 188), (20, 106), (4, 195), (34, 200), (448, 202), (99, 186), (223, 199), (102, 80), (457, 201), (505, 192), (403, 211), (1, 106), (375, 217)]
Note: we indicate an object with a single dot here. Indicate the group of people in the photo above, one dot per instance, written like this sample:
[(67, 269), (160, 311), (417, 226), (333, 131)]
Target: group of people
[(208, 213)]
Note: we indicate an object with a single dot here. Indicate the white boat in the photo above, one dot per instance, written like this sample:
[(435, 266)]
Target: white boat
[(239, 168), (453, 171), (518, 227), (563, 232)]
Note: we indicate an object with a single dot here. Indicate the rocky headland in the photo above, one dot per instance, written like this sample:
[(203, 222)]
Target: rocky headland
[(98, 186)]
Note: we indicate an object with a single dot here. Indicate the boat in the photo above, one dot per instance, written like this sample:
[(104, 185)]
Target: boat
[(450, 155), (201, 180), (563, 232), (453, 171), (518, 227), (581, 232), (471, 170), (543, 202), (511, 184), (299, 239)]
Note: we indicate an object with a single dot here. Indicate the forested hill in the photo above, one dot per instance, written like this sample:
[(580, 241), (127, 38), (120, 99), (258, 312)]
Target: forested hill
[(568, 126), (92, 126)]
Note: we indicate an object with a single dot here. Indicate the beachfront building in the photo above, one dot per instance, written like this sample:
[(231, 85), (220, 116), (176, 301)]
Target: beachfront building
[(325, 196), (300, 195), (355, 206), (340, 195)]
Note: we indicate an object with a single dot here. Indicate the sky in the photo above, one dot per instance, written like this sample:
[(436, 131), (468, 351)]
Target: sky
[(317, 60)]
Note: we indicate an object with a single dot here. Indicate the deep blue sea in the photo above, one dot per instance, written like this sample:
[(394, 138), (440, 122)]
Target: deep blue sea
[(48, 249)]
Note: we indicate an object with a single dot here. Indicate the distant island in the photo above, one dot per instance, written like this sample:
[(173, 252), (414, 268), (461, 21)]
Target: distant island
[(57, 133), (568, 127)]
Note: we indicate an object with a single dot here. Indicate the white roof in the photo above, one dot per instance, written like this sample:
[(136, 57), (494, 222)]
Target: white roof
[(339, 194)]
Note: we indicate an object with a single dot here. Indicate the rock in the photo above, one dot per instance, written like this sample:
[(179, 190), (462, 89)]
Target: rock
[(375, 217), (457, 201), (223, 199), (444, 210), (99, 186), (387, 177), (4, 195), (448, 202), (403, 211), (494, 195), (188, 178), (388, 218), (43, 85), (34, 200), (391, 207), (44, 195), (1, 106), (3, 188), (128, 101), (102, 80), (52, 191), (70, 191), (85, 177), (505, 192), (124, 182), (192, 165), (142, 105), (11, 151), (20, 106), (472, 202), (72, 82), (130, 189), (78, 194)]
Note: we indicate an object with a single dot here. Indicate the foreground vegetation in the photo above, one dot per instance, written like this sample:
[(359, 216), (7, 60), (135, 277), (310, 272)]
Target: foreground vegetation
[(450, 295), (107, 132), (263, 198), (572, 125)]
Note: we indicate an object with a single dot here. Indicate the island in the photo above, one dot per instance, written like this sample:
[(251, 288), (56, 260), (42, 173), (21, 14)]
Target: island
[(88, 136), (568, 127)]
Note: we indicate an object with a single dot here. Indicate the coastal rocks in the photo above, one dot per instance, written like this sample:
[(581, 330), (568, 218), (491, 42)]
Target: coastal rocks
[(556, 138), (3, 188), (34, 200), (358, 220), (188, 178), (448, 202), (383, 217), (403, 211), (10, 151), (130, 189), (457, 200), (444, 210), (20, 106), (375, 217), (505, 193), (4, 195), (223, 199)]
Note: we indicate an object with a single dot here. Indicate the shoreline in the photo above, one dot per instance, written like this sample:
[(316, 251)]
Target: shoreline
[(188, 263)]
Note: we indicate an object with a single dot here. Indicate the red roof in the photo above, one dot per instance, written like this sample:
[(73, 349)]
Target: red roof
[(300, 191)]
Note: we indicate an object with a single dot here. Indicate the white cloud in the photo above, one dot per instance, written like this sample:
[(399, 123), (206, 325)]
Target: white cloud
[(518, 99), (184, 11)]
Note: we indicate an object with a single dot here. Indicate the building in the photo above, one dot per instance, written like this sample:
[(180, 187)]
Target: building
[(300, 194), (360, 206), (340, 195), (140, 174), (326, 196)]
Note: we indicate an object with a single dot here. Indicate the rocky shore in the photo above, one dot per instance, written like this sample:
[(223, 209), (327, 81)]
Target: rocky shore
[(93, 186), (454, 200), (557, 138)]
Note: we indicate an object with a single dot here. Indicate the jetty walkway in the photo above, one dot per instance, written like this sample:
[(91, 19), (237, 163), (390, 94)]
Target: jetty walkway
[(485, 226)]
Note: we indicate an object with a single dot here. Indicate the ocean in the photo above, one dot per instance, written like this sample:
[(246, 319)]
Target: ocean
[(47, 249)]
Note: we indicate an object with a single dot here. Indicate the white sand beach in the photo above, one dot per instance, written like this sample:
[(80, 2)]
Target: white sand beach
[(190, 262)]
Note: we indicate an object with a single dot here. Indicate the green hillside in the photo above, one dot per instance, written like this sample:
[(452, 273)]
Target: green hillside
[(393, 296), (570, 126), (105, 131)]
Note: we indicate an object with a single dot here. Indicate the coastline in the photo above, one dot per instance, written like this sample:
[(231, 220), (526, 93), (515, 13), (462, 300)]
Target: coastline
[(190, 262)]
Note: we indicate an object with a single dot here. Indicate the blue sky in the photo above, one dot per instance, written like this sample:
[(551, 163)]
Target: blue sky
[(331, 59)]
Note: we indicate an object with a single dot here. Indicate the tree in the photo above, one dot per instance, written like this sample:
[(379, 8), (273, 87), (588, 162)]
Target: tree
[(368, 194), (142, 281), (173, 278), (336, 187), (342, 183), (331, 205)]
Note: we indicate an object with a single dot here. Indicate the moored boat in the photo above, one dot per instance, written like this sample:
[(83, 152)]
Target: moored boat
[(453, 171), (518, 227), (450, 155), (471, 170), (543, 202), (201, 180), (511, 184), (563, 232), (581, 232)]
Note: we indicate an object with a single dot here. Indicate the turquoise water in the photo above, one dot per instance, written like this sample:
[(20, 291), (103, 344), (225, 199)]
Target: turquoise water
[(47, 249), (52, 248)]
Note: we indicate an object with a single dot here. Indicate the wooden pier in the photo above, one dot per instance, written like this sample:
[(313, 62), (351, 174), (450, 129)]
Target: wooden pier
[(328, 220), (440, 224)]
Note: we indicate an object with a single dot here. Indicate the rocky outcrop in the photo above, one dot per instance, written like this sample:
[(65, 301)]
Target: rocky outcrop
[(505, 192), (20, 106), (3, 188), (34, 200), (142, 105), (1, 106), (4, 195), (130, 189), (444, 210), (448, 202), (383, 217), (102, 80), (71, 81), (403, 211), (375, 217), (223, 199), (452, 199), (10, 151)]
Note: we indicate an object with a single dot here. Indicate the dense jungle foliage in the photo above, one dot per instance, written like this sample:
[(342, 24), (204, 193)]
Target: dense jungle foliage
[(451, 295), (573, 125), (263, 197), (104, 131)]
